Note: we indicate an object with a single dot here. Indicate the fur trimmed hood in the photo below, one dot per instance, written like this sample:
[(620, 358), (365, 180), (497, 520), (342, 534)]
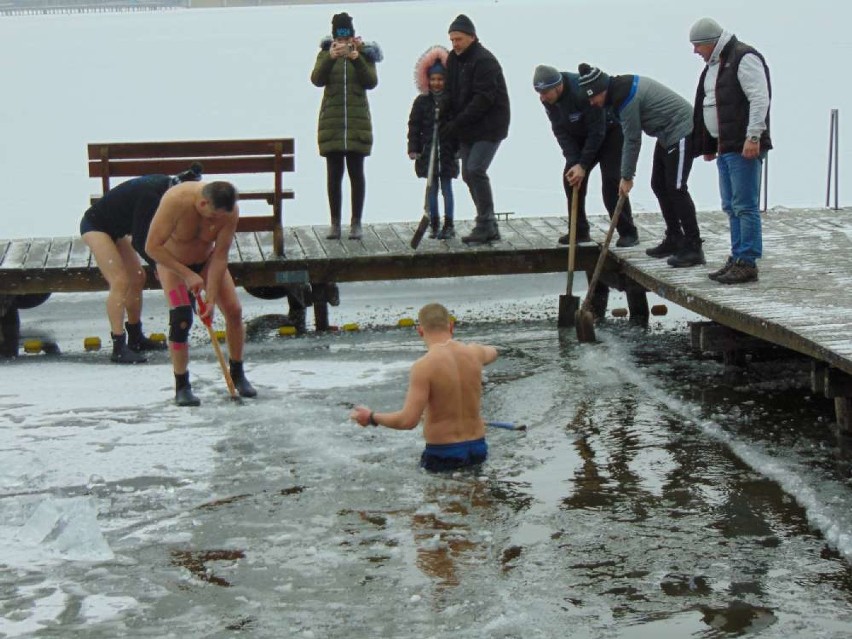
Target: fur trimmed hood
[(370, 50), (426, 61)]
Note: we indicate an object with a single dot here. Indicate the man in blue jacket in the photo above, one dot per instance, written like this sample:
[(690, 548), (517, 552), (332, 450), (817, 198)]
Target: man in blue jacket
[(587, 136), (478, 118)]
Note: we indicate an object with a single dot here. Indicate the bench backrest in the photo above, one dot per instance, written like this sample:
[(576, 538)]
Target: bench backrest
[(218, 157)]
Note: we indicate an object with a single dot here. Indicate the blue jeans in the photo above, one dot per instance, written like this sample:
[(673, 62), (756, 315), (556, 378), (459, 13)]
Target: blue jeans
[(447, 191), (475, 160), (739, 184)]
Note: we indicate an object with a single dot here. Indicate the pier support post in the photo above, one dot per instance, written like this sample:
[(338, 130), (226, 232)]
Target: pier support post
[(324, 293), (836, 385), (10, 326), (637, 302)]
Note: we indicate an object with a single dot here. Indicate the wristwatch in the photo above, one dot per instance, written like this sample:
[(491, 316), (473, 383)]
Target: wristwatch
[(754, 138)]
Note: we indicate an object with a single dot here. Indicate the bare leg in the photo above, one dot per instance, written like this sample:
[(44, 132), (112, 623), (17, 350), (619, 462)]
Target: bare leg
[(176, 296), (111, 264)]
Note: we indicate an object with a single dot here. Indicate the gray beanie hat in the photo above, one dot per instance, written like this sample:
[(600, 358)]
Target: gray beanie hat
[(545, 78), (592, 80), (705, 31)]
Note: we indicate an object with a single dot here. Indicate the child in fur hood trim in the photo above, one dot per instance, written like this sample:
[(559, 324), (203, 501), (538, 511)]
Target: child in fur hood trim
[(430, 74)]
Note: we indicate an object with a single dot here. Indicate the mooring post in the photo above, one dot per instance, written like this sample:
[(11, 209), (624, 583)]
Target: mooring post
[(833, 158)]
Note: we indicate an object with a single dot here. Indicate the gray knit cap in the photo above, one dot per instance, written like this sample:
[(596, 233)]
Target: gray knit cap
[(545, 78), (592, 80), (705, 31)]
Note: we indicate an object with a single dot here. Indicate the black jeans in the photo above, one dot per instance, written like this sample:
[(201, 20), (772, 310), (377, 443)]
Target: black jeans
[(334, 163), (609, 158), (668, 181), (476, 157)]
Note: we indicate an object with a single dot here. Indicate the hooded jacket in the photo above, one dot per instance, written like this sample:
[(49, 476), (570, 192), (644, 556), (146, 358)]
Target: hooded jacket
[(344, 124)]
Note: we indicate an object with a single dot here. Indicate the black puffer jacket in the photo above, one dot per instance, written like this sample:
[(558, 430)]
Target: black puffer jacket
[(479, 98), (421, 123)]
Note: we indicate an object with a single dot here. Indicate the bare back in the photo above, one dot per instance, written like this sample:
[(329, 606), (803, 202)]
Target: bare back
[(453, 371)]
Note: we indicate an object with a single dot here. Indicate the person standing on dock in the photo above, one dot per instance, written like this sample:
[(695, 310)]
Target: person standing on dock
[(643, 104), (189, 239), (112, 228), (478, 117), (446, 384), (346, 69), (430, 74), (732, 126), (587, 136)]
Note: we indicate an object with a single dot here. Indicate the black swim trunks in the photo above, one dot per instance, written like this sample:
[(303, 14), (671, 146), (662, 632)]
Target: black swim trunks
[(441, 457)]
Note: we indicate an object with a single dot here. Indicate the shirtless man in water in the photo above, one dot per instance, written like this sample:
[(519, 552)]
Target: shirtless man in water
[(447, 383), (189, 239)]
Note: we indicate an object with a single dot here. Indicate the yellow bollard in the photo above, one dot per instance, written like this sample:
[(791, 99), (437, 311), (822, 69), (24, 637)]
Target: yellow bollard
[(220, 336), (351, 327), (286, 331), (405, 322), (92, 343), (32, 346), (157, 337)]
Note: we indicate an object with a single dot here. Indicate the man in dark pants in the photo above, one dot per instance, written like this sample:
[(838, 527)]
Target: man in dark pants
[(732, 127), (643, 104), (478, 117), (587, 136)]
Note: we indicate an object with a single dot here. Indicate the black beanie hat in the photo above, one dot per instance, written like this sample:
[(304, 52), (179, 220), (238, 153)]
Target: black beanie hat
[(341, 25), (592, 80), (464, 24)]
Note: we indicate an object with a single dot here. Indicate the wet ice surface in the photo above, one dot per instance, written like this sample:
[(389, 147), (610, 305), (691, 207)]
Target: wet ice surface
[(654, 494)]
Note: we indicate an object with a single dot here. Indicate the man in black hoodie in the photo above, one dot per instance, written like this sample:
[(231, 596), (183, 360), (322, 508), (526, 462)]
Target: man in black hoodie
[(478, 117)]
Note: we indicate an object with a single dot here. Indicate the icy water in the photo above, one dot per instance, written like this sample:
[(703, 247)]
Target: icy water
[(655, 494)]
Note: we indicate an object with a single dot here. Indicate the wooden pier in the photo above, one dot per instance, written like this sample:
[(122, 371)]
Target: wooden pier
[(803, 301)]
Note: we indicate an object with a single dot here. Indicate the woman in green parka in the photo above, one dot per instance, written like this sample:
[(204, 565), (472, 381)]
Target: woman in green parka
[(346, 68)]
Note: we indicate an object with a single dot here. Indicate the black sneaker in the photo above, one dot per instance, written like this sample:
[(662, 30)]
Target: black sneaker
[(126, 356), (583, 237), (627, 240), (185, 397), (669, 246), (715, 275), (689, 254)]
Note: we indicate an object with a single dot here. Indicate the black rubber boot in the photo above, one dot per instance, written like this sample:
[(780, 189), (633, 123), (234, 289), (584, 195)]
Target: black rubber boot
[(238, 376), (136, 340), (482, 234), (448, 232), (434, 230), (183, 391), (689, 254), (669, 246), (121, 353)]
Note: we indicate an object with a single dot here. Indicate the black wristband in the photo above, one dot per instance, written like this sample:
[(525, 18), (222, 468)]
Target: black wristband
[(372, 421)]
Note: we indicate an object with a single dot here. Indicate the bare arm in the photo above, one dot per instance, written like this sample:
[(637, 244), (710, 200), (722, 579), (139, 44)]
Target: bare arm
[(487, 354), (218, 262), (416, 400)]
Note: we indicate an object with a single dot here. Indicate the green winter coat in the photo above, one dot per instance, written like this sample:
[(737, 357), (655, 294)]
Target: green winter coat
[(344, 119)]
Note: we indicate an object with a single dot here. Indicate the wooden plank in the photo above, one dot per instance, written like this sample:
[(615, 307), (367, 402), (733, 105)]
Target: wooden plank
[(212, 166), (79, 256), (267, 194), (60, 249), (4, 247), (313, 247), (16, 254), (190, 148), (37, 255), (293, 249), (248, 247)]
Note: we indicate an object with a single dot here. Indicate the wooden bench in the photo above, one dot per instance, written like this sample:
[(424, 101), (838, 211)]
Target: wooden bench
[(218, 157)]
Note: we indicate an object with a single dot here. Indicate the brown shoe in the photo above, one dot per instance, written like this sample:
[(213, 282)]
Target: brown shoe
[(715, 275), (739, 273)]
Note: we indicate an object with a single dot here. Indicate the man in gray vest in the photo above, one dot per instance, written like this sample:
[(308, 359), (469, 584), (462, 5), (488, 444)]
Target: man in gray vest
[(732, 126)]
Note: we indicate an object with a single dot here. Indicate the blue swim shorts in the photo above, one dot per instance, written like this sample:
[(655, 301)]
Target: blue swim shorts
[(440, 457)]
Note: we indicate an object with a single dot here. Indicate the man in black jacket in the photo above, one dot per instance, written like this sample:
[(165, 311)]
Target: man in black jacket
[(587, 136), (478, 118)]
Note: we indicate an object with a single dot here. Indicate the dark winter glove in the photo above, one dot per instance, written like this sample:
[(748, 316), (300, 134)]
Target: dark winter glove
[(447, 130)]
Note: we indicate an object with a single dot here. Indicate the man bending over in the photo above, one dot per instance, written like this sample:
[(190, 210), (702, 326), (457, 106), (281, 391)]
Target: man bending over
[(189, 239)]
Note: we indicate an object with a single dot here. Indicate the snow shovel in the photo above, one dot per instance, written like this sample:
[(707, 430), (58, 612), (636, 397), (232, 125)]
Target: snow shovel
[(568, 303), (208, 322), (585, 318), (426, 219)]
